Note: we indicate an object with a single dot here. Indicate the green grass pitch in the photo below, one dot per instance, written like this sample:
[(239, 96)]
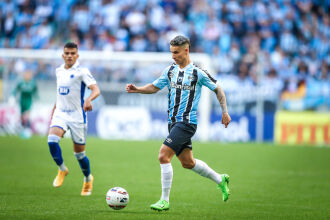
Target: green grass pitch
[(267, 181)]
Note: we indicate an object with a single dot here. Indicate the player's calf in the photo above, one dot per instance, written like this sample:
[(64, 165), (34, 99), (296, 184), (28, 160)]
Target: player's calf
[(83, 162), (54, 148), (55, 151)]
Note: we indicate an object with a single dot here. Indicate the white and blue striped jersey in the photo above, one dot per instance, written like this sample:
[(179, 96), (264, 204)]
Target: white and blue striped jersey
[(71, 84), (184, 91)]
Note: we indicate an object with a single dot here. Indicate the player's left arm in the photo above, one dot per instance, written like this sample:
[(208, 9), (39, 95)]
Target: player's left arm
[(223, 103), (207, 80), (94, 94)]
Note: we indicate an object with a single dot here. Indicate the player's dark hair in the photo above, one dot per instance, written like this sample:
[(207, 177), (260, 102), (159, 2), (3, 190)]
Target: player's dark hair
[(71, 45), (179, 41)]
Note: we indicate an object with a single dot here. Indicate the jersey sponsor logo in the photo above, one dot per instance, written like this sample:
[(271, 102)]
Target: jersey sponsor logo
[(184, 87), (188, 87), (67, 110), (63, 90), (175, 85)]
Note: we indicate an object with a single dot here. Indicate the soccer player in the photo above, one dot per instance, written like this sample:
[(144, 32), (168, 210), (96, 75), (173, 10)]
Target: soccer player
[(184, 81), (28, 90), (69, 112)]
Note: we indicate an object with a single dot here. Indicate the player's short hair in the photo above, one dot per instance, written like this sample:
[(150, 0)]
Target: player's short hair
[(71, 45), (180, 41)]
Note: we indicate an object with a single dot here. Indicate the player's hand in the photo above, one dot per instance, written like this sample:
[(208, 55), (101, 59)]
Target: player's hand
[(88, 105), (225, 119), (131, 88)]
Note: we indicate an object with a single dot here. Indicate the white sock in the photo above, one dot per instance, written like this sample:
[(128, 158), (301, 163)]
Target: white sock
[(62, 167), (166, 177), (87, 179), (204, 170)]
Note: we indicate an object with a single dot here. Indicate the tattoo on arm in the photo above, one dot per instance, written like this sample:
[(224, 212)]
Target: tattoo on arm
[(221, 98)]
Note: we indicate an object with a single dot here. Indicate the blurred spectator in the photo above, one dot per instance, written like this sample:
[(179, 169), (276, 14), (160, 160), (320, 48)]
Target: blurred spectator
[(291, 36)]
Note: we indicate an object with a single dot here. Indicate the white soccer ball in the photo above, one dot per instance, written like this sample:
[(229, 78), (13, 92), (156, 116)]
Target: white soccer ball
[(117, 198)]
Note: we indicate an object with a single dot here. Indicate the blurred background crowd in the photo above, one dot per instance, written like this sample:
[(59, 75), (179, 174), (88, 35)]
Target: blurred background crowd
[(289, 38)]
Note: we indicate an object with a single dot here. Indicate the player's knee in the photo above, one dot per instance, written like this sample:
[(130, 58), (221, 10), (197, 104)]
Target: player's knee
[(163, 158), (53, 139), (188, 164), (80, 155)]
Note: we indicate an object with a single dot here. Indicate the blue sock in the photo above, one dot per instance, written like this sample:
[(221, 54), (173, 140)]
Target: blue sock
[(83, 162), (55, 149)]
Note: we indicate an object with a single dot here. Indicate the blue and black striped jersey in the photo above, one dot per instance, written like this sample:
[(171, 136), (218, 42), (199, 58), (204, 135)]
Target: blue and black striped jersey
[(184, 91)]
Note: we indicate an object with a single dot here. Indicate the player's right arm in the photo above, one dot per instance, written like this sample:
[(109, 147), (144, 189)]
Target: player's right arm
[(147, 89), (150, 88)]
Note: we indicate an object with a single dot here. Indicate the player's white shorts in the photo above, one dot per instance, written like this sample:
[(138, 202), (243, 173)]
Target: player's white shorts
[(78, 130)]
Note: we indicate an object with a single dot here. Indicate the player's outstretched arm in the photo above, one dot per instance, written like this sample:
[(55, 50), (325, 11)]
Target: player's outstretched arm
[(223, 103), (147, 89), (94, 94)]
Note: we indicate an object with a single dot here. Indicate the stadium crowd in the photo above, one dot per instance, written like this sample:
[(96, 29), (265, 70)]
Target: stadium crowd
[(290, 38)]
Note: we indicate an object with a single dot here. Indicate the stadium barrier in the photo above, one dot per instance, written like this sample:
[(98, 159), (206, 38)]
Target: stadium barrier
[(302, 128), (134, 123)]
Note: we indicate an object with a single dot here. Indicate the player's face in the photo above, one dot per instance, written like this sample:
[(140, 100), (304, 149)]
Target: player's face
[(70, 55), (27, 76), (179, 54)]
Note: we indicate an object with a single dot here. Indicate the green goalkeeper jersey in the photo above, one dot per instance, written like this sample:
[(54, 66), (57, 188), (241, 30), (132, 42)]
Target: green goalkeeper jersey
[(27, 90)]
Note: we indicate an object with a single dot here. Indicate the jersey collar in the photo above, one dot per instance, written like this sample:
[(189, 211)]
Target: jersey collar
[(186, 67), (75, 66)]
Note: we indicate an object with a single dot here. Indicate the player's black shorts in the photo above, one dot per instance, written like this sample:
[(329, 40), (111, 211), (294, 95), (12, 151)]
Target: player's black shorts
[(180, 134)]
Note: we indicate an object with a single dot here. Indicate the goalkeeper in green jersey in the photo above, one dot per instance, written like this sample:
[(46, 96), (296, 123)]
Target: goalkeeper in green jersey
[(26, 89)]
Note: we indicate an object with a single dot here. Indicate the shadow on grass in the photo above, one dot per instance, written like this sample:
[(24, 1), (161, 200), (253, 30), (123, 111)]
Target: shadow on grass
[(123, 212)]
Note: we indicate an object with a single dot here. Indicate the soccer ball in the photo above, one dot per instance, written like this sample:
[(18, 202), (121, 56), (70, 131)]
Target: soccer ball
[(117, 198)]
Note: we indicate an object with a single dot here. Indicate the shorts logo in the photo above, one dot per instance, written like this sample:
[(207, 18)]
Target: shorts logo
[(168, 140), (63, 90)]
